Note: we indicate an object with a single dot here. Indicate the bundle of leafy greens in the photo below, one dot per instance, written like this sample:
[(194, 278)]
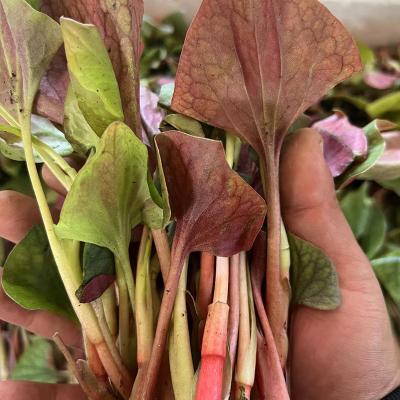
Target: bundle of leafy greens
[(175, 178)]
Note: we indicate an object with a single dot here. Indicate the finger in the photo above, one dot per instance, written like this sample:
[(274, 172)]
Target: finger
[(41, 322), (18, 214), (74, 161), (311, 211), (22, 390)]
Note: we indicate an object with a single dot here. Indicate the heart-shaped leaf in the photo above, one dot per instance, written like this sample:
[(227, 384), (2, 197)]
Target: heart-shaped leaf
[(92, 76), (343, 142), (31, 276), (119, 24), (388, 165), (313, 277)]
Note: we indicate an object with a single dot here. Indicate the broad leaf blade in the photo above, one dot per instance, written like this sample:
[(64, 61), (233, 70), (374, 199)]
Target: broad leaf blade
[(34, 364), (313, 277), (275, 59), (119, 24), (216, 211), (111, 194), (23, 58), (92, 75), (31, 276)]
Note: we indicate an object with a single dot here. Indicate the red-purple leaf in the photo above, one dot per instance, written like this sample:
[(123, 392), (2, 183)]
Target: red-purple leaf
[(119, 24), (215, 210), (343, 142), (252, 67), (380, 80), (388, 165), (150, 113)]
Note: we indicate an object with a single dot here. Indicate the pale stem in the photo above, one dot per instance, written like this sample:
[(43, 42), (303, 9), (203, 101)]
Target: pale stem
[(180, 355), (123, 313), (3, 359), (230, 140), (144, 306), (163, 250), (110, 308), (234, 306), (221, 280), (99, 310)]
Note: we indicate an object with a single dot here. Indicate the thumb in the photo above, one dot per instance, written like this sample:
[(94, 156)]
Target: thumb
[(311, 211)]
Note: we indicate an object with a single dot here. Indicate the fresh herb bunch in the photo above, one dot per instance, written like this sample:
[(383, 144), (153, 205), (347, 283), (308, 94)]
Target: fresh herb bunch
[(185, 170)]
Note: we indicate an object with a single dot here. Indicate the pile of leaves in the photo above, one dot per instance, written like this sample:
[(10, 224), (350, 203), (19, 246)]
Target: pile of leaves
[(163, 227)]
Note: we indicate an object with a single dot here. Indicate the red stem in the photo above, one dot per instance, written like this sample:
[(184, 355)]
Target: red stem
[(276, 297), (206, 282), (213, 353)]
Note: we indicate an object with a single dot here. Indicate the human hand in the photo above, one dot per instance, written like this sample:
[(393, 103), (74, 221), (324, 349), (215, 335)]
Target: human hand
[(348, 353)]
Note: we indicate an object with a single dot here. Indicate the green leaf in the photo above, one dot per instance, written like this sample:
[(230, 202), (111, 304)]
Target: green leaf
[(387, 270), (365, 218), (111, 194), (34, 3), (166, 93), (391, 185), (313, 277), (376, 146), (11, 144), (98, 273), (184, 124), (34, 363), (387, 107), (77, 131), (23, 57), (92, 76), (31, 276)]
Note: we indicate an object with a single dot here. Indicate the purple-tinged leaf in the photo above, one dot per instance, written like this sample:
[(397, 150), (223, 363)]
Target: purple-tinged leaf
[(252, 68), (388, 165), (380, 80), (215, 210), (376, 146), (343, 142), (150, 113)]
